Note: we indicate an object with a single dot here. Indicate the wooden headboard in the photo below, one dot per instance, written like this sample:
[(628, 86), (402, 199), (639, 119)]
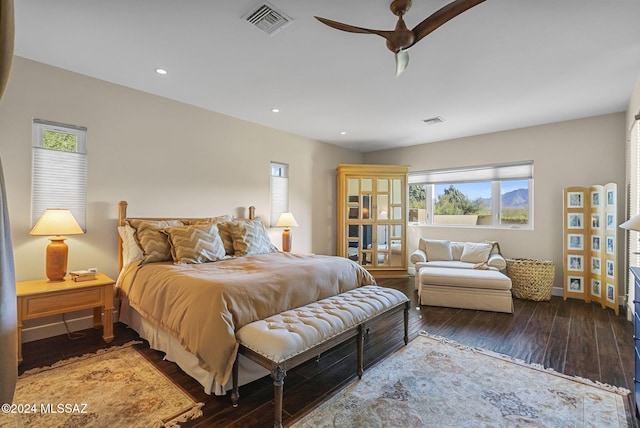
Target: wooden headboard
[(122, 218)]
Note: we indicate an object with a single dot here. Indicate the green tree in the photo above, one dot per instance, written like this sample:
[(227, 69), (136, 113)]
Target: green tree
[(59, 141), (454, 202), (417, 196)]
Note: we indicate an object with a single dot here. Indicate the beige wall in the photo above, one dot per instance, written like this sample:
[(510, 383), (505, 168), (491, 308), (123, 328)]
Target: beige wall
[(574, 153), (163, 157)]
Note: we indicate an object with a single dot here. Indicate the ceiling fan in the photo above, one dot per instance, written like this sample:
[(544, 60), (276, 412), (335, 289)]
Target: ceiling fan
[(400, 39)]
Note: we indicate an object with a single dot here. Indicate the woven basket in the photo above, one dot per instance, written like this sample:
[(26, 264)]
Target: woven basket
[(531, 279)]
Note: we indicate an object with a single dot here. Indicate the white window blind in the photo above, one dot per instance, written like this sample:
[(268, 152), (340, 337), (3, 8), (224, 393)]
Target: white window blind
[(279, 191), (633, 178), (510, 171), (59, 176)]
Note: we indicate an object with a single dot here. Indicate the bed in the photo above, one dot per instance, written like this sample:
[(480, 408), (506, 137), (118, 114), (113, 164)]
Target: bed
[(186, 285)]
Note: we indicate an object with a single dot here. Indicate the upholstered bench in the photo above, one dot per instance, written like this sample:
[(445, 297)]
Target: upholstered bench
[(487, 290), (285, 340)]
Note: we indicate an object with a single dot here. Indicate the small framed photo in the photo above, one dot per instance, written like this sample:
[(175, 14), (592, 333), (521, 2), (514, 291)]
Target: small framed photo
[(575, 262), (611, 244), (575, 284), (610, 270), (595, 199), (575, 199), (596, 287), (575, 241), (574, 221), (611, 293), (595, 243), (595, 265), (611, 198), (595, 221), (611, 223)]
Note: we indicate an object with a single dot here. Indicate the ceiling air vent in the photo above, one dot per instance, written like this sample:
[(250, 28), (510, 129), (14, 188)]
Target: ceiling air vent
[(267, 18), (434, 120)]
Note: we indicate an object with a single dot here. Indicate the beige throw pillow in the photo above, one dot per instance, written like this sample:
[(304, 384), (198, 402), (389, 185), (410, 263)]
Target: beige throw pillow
[(475, 252), (153, 242), (438, 250), (131, 251), (199, 243), (250, 238)]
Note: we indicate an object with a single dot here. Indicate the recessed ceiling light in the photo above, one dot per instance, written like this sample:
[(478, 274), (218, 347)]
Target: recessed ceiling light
[(161, 71), (343, 132), (275, 110)]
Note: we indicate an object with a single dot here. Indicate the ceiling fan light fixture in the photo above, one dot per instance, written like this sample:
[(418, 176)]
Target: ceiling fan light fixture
[(434, 120)]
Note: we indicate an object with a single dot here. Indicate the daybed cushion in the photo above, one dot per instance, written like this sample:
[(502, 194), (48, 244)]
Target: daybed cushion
[(474, 252), (465, 278), (438, 250)]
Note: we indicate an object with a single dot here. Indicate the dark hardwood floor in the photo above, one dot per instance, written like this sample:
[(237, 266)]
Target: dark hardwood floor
[(570, 336)]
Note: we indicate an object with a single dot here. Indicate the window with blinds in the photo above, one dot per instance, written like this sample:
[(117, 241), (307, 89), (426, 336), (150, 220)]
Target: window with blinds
[(492, 195), (59, 169), (279, 191)]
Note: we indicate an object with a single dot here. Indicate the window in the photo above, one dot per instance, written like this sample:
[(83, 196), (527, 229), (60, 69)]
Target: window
[(279, 191), (59, 171), (493, 196), (633, 198)]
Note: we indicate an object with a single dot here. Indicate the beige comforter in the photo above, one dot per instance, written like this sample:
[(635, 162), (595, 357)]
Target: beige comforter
[(204, 304)]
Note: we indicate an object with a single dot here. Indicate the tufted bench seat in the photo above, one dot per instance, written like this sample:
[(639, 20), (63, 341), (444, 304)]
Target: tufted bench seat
[(285, 340)]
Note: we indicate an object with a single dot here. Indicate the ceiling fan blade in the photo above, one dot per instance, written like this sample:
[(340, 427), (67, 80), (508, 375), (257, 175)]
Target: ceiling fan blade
[(402, 61), (353, 29), (441, 16)]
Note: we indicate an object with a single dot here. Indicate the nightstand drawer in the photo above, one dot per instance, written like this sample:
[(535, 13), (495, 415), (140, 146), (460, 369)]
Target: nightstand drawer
[(62, 301)]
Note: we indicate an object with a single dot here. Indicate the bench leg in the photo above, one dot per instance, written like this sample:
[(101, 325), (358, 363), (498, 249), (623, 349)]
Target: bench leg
[(235, 395), (406, 323), (278, 374), (360, 344)]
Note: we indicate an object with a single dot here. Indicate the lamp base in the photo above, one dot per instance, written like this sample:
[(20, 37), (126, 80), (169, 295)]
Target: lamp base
[(57, 254), (286, 240)]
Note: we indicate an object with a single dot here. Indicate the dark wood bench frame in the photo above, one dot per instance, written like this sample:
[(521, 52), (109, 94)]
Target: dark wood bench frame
[(279, 370)]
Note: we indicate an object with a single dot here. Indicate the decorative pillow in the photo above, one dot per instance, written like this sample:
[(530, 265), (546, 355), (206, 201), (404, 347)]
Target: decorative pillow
[(199, 243), (456, 249), (475, 252), (250, 238), (131, 251), (227, 239), (438, 250), (153, 242)]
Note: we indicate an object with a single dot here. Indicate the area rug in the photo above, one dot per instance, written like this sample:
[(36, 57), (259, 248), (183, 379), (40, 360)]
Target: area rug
[(434, 382), (116, 387)]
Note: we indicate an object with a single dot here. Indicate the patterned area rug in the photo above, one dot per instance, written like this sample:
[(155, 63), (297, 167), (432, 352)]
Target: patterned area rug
[(116, 387), (434, 382)]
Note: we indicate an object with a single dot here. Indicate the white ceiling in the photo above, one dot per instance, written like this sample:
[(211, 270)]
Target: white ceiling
[(503, 64)]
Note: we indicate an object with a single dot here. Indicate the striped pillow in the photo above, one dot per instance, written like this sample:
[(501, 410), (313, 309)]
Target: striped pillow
[(250, 238), (199, 243), (153, 242)]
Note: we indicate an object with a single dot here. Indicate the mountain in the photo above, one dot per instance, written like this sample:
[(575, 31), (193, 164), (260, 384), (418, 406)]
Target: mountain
[(515, 199)]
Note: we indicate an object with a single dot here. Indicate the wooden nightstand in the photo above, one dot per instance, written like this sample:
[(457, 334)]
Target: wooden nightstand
[(41, 298)]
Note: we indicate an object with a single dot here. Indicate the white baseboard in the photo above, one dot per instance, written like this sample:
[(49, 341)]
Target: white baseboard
[(56, 328)]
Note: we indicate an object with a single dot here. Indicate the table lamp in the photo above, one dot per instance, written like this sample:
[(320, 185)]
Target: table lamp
[(632, 224), (57, 222), (286, 220)]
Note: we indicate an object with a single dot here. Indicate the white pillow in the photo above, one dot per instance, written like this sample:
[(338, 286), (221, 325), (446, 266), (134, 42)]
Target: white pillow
[(438, 250), (131, 251), (475, 252)]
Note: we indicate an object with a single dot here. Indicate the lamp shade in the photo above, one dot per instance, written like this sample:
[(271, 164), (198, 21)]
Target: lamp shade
[(286, 220), (632, 224), (56, 221)]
